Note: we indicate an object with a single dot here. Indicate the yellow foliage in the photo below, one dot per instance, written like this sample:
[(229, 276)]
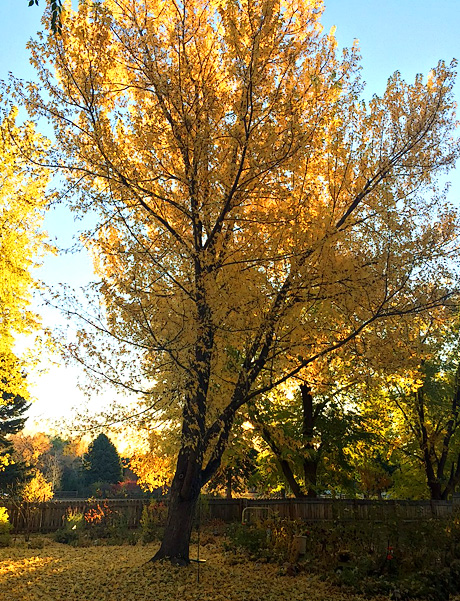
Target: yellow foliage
[(37, 490), (156, 467), (59, 572), (22, 204), (30, 447)]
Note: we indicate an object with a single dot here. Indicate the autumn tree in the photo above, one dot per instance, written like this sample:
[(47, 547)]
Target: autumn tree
[(22, 204), (65, 459), (255, 213)]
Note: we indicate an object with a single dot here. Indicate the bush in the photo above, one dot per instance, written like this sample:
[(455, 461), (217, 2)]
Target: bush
[(97, 523), (153, 521), (251, 538), (72, 530), (399, 559), (5, 528), (271, 539)]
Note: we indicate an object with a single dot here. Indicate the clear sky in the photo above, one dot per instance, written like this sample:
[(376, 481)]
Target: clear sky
[(405, 35)]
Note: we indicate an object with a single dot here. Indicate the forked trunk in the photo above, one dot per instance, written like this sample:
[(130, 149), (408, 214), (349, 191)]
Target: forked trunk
[(185, 491)]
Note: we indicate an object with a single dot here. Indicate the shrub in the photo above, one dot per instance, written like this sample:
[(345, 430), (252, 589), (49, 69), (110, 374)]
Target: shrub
[(5, 528), (71, 532), (126, 489), (98, 521), (251, 538), (271, 539), (100, 490), (399, 559)]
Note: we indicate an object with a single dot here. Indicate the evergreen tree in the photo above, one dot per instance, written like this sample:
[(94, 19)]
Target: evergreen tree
[(102, 463), (12, 409)]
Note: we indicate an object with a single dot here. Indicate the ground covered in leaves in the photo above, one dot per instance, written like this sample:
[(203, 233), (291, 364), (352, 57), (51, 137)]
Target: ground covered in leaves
[(122, 573)]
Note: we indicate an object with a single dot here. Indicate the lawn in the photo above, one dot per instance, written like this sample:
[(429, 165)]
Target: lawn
[(60, 572)]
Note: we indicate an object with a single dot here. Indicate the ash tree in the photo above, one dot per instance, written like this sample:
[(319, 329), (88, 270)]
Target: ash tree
[(102, 463), (255, 214)]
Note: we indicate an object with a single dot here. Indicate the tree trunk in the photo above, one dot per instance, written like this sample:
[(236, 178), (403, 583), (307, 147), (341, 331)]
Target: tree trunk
[(435, 490), (228, 485), (290, 479), (185, 491), (310, 461), (310, 467)]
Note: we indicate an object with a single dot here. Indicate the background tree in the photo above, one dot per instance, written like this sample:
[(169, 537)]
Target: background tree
[(12, 472), (31, 450), (68, 453), (238, 470), (102, 463), (311, 439), (429, 410), (256, 215)]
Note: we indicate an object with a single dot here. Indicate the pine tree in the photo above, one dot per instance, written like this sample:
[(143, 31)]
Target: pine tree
[(12, 419), (102, 463)]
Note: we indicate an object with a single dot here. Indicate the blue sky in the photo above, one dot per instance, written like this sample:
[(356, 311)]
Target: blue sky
[(405, 35)]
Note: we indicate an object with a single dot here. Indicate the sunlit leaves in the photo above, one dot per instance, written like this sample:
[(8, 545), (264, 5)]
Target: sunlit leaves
[(22, 204), (123, 574)]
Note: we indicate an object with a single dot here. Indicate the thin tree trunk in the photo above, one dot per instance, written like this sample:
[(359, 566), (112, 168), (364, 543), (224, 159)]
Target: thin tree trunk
[(310, 460), (228, 487)]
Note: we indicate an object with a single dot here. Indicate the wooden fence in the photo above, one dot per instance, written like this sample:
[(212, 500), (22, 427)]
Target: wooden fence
[(49, 516), (312, 510)]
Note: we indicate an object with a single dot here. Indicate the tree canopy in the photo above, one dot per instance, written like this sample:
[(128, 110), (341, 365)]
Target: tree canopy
[(22, 205), (256, 215), (102, 463)]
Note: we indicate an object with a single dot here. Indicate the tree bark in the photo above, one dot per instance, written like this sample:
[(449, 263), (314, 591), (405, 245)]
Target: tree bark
[(290, 479), (310, 468), (310, 460), (185, 491), (228, 485)]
